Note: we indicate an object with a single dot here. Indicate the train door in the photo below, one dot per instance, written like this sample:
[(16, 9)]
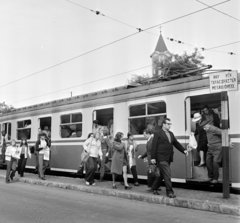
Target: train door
[(104, 117), (45, 124), (195, 104)]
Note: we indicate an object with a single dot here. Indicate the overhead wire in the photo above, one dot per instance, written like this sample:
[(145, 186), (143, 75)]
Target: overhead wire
[(98, 48), (219, 11), (90, 82), (144, 30)]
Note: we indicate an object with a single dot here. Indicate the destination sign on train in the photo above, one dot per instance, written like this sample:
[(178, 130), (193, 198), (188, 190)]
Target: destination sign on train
[(224, 81)]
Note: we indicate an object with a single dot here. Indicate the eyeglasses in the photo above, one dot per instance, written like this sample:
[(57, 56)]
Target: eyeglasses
[(168, 123)]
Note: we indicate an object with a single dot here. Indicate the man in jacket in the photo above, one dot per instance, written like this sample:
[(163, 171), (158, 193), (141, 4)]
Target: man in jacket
[(162, 153)]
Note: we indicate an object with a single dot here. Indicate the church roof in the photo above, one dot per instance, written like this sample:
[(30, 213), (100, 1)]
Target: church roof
[(161, 46)]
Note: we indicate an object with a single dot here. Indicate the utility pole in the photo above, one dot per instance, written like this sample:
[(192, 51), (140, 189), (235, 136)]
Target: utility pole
[(225, 144)]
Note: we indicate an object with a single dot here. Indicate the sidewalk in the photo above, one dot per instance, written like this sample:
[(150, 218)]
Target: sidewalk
[(199, 200)]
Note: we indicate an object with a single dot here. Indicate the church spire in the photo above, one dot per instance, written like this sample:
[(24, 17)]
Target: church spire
[(160, 54)]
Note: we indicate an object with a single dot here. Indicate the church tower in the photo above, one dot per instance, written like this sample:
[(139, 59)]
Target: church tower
[(160, 53)]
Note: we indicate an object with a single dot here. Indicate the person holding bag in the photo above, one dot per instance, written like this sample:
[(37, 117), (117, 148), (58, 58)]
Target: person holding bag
[(42, 146), (25, 152), (93, 147), (153, 175), (11, 155)]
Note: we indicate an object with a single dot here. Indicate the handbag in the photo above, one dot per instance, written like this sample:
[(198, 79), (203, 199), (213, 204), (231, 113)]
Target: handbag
[(80, 169), (84, 156), (192, 141), (154, 170)]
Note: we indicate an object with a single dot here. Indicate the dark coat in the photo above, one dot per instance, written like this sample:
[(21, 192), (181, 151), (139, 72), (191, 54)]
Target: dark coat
[(38, 143), (162, 149), (149, 151), (119, 157)]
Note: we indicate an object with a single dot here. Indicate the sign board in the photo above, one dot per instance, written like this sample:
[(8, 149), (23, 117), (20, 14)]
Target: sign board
[(223, 81)]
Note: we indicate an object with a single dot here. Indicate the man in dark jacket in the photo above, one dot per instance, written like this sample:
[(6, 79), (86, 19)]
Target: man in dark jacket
[(162, 153)]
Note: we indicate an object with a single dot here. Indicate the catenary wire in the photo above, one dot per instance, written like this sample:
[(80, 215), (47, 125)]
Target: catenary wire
[(98, 48), (219, 11), (90, 82), (139, 29)]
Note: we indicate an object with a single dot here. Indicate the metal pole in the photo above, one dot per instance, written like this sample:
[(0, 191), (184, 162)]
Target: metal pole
[(225, 144)]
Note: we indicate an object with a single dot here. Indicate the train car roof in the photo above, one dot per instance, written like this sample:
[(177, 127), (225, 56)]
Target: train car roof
[(112, 95)]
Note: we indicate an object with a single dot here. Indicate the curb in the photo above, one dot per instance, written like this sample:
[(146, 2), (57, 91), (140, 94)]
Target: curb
[(176, 202)]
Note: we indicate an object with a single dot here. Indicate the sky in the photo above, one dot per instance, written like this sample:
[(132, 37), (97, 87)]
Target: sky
[(36, 35)]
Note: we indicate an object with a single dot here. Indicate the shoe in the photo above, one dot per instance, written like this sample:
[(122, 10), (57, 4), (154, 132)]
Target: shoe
[(171, 195), (209, 179), (11, 178), (127, 187), (203, 164), (155, 192), (93, 184), (43, 178), (136, 184), (214, 181), (114, 187), (87, 183)]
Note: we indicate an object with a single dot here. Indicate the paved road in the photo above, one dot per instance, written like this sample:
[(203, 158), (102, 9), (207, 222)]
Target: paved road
[(21, 202)]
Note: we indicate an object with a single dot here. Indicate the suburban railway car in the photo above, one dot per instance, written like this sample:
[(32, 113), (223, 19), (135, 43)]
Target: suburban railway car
[(130, 108)]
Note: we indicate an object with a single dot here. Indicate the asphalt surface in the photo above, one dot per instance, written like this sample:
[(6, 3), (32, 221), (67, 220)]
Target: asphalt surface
[(32, 203)]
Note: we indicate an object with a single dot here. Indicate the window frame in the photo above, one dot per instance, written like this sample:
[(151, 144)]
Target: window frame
[(70, 123), (146, 112), (24, 128)]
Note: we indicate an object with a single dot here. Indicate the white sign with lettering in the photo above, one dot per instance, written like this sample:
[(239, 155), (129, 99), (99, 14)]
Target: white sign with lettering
[(224, 81)]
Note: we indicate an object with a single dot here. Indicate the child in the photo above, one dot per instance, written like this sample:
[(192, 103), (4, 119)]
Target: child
[(11, 156), (25, 152)]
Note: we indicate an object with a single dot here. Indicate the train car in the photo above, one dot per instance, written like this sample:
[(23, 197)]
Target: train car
[(131, 108)]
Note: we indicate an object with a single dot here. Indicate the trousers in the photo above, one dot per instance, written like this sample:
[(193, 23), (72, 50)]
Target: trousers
[(42, 165), (165, 173), (21, 164), (91, 167), (11, 169), (134, 173), (102, 170), (214, 158)]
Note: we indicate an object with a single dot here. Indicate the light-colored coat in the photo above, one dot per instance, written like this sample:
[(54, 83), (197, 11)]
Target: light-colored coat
[(131, 159), (93, 147), (10, 152)]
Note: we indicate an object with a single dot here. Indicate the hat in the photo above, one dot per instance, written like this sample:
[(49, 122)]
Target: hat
[(196, 117)]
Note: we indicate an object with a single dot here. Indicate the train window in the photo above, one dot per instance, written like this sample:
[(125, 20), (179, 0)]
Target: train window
[(105, 120), (7, 128), (151, 117), (71, 125), (24, 129), (138, 110), (156, 108), (65, 119)]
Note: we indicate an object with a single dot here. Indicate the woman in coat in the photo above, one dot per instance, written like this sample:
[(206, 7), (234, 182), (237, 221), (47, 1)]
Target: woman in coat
[(119, 160), (25, 152), (131, 149), (93, 146)]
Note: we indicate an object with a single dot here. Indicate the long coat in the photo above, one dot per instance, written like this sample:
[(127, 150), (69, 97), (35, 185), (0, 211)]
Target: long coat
[(119, 157), (162, 149)]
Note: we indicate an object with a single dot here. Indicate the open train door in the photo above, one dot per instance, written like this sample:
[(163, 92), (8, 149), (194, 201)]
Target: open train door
[(189, 158)]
